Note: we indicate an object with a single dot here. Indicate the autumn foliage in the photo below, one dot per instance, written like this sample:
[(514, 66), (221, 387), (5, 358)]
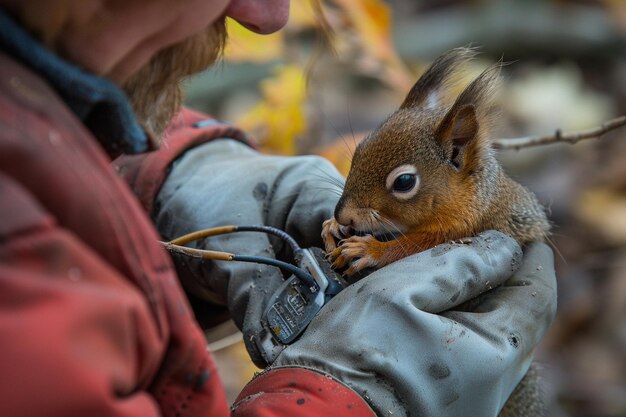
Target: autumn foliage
[(356, 32)]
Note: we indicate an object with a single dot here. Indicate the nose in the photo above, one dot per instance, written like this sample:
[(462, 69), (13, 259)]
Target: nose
[(260, 16), (340, 216)]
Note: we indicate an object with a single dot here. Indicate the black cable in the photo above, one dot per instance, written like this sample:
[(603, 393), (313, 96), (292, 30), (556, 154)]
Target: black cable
[(273, 231), (305, 277), (177, 245), (221, 230)]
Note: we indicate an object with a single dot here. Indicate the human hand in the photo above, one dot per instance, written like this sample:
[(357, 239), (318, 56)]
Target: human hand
[(225, 182), (396, 339)]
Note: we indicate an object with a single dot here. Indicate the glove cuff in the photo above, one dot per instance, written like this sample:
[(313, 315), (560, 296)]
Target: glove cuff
[(298, 391), (145, 173)]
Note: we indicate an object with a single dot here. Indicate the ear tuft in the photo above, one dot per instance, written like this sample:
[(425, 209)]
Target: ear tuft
[(481, 92), (462, 133), (431, 86)]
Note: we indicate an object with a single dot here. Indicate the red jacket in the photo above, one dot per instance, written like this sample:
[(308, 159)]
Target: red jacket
[(93, 321)]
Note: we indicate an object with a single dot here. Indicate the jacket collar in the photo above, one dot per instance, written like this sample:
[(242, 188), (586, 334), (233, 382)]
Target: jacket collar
[(102, 106)]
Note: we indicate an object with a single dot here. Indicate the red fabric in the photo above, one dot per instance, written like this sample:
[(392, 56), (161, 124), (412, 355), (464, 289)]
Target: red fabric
[(298, 392), (146, 172), (92, 320)]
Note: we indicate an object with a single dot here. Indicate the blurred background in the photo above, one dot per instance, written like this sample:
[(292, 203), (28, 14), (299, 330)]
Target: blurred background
[(320, 85)]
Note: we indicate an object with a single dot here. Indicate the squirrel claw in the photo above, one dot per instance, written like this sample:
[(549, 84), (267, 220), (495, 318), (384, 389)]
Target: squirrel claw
[(462, 241), (356, 251), (338, 259), (331, 231), (339, 263), (353, 269), (359, 265)]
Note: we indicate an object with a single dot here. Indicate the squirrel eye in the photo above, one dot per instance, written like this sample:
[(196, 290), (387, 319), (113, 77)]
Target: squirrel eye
[(404, 183)]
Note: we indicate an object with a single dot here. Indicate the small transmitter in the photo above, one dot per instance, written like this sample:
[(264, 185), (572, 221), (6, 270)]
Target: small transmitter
[(295, 303)]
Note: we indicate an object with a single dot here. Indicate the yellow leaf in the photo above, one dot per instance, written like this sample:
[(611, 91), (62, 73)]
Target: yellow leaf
[(278, 119), (372, 21), (301, 15), (246, 46)]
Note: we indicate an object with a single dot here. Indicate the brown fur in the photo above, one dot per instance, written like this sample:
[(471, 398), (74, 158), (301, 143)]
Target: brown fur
[(462, 190)]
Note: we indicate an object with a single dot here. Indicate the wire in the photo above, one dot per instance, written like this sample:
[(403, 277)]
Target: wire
[(273, 231), (198, 253), (222, 230), (200, 234), (304, 276)]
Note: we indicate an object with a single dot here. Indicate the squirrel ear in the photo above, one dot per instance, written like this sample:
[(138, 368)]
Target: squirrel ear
[(430, 89), (463, 131), (457, 130)]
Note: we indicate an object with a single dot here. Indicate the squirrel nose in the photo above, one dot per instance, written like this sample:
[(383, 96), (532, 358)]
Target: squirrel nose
[(339, 207), (344, 219)]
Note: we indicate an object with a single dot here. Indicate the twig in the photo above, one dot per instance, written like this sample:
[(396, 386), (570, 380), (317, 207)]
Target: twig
[(573, 137)]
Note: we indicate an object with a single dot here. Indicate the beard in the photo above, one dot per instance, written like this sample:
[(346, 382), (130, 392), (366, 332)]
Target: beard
[(155, 91)]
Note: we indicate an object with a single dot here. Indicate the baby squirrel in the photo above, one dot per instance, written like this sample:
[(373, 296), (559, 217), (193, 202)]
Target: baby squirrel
[(428, 175)]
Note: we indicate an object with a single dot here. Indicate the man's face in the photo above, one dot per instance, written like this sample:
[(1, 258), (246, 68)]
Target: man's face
[(155, 90)]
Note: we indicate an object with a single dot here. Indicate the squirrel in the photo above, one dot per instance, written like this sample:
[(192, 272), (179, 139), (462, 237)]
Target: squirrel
[(428, 175)]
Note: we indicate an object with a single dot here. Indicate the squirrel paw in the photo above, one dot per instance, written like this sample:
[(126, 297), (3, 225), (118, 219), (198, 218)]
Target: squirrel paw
[(359, 251), (331, 232)]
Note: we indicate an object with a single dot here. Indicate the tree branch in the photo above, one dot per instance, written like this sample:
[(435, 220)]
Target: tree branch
[(572, 137)]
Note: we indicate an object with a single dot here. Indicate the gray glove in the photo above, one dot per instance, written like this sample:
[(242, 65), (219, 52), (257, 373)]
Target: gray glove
[(225, 182), (390, 336), (393, 338)]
